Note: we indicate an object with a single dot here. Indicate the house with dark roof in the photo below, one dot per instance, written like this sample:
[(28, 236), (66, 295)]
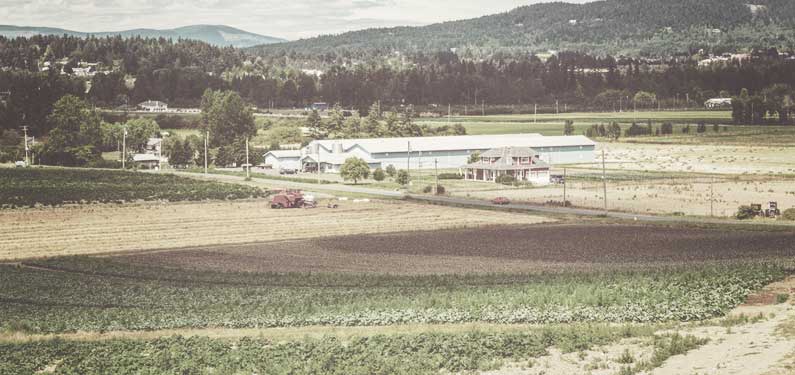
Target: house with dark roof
[(521, 163)]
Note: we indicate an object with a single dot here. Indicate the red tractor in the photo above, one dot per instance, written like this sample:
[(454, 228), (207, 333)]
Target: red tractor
[(291, 199)]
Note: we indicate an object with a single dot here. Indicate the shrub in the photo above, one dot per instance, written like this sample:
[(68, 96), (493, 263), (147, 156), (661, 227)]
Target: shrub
[(782, 298), (788, 214), (379, 175), (702, 127), (745, 213), (506, 180), (390, 170), (402, 177), (667, 128), (429, 189), (450, 176)]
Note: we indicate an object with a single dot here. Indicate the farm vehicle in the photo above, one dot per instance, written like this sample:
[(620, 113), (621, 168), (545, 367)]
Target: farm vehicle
[(771, 211), (292, 199)]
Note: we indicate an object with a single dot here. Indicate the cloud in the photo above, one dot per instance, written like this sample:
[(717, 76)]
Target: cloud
[(288, 19)]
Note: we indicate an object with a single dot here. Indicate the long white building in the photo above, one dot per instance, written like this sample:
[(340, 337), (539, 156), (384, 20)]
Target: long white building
[(449, 152)]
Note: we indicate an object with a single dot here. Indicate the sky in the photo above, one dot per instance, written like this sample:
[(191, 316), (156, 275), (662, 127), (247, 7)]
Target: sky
[(289, 19)]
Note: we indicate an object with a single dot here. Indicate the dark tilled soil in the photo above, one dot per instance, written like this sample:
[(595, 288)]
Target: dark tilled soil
[(495, 249)]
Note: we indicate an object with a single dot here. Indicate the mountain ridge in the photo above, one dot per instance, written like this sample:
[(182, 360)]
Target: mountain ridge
[(632, 27), (217, 35)]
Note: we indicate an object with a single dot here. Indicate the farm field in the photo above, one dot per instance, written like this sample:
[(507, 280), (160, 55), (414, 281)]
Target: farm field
[(54, 187), (583, 304), (94, 229)]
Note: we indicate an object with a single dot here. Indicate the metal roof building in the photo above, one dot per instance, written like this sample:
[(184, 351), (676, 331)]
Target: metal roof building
[(450, 151)]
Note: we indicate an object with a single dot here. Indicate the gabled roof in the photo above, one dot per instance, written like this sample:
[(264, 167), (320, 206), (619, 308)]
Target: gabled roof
[(145, 157), (505, 161), (338, 159), (510, 152), (285, 153), (450, 143)]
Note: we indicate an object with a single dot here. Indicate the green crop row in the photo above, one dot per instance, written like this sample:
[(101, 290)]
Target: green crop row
[(425, 353), (100, 295), (53, 187)]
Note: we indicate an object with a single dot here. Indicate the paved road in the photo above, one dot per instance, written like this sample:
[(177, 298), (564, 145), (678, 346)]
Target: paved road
[(324, 191)]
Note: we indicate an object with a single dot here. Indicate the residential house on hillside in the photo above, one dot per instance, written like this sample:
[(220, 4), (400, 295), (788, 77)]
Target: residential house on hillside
[(521, 163), (153, 106)]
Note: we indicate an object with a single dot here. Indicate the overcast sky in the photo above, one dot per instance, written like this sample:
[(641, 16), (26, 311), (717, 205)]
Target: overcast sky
[(291, 19)]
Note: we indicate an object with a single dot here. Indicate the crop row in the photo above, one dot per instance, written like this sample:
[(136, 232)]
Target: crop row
[(426, 353), (44, 301), (53, 187)]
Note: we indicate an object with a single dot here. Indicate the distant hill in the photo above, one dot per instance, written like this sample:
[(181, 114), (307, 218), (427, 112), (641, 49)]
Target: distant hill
[(218, 35), (631, 27)]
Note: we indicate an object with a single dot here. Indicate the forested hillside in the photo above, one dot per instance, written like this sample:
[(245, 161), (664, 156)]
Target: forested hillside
[(615, 27), (217, 35)]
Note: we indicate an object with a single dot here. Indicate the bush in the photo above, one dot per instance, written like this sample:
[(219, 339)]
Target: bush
[(745, 213), (788, 214), (506, 180), (390, 170), (450, 176), (379, 175), (429, 189), (702, 127), (667, 128), (402, 177)]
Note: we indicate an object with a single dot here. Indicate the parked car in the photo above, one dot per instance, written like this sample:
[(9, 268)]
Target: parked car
[(501, 201), (287, 171), (21, 164)]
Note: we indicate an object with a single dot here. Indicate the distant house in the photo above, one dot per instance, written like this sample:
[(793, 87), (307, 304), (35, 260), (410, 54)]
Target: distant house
[(717, 103), (153, 106), (521, 163), (146, 161), (320, 107)]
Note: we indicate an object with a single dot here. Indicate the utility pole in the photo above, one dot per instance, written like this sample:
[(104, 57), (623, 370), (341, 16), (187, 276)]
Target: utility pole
[(318, 162), (206, 136), (712, 197), (124, 148), (564, 187), (483, 107), (248, 165), (449, 114), (604, 179), (27, 158), (408, 161), (557, 107), (535, 113), (436, 170)]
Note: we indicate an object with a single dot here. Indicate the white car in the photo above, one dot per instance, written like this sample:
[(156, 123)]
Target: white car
[(21, 164)]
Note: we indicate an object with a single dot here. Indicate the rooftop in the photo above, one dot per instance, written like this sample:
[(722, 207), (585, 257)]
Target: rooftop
[(463, 142)]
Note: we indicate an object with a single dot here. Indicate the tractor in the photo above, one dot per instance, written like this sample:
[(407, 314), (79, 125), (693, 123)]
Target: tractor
[(292, 199), (771, 211)]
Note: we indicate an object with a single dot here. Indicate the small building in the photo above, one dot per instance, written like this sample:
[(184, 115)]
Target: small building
[(153, 106), (521, 163), (718, 103), (146, 161), (283, 159)]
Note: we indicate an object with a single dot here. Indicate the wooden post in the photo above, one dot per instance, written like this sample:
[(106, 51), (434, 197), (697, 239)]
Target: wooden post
[(206, 135), (604, 179), (564, 187)]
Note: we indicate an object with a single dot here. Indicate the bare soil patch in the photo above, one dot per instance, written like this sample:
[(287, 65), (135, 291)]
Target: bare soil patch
[(517, 248)]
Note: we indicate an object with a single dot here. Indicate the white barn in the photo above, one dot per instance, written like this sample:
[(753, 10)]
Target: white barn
[(450, 152)]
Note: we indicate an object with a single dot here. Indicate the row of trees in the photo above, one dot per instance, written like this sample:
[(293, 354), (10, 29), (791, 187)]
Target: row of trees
[(772, 104), (395, 123)]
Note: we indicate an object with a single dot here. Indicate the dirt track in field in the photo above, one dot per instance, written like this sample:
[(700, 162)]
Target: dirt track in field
[(518, 248)]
